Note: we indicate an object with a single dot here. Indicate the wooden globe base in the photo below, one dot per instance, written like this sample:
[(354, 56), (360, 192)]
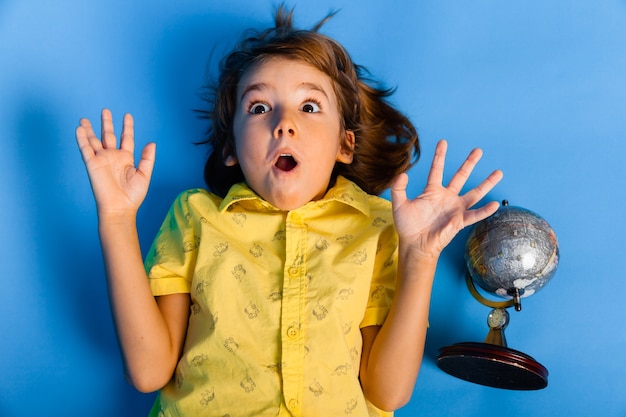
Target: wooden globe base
[(493, 366)]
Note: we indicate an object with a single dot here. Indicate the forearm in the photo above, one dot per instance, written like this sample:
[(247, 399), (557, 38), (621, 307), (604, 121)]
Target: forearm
[(396, 354), (148, 352), (392, 355)]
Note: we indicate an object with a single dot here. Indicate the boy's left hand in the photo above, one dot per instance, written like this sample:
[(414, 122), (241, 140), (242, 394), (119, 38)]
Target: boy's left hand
[(429, 222)]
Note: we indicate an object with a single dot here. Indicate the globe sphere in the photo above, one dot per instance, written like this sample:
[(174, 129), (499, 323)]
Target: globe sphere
[(513, 251)]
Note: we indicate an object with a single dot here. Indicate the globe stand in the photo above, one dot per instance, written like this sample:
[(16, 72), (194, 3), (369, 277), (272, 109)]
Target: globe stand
[(493, 363)]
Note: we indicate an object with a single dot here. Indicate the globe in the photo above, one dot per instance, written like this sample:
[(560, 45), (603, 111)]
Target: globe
[(513, 253)]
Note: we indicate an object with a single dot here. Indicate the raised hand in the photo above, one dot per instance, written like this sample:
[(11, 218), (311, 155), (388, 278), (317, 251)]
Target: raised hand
[(429, 222), (118, 186)]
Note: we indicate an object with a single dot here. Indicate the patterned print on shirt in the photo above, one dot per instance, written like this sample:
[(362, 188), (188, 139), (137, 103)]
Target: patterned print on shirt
[(191, 246), (316, 388), (239, 218), (220, 249), (248, 384), (207, 396), (360, 257), (256, 250), (345, 240), (239, 272), (351, 405)]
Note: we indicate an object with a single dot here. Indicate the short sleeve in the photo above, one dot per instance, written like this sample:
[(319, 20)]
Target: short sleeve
[(171, 259), (383, 282)]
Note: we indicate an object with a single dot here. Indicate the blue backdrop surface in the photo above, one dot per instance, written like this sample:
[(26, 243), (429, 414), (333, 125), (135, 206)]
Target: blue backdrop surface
[(540, 86)]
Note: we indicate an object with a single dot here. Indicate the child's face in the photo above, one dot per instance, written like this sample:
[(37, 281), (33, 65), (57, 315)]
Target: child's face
[(288, 134)]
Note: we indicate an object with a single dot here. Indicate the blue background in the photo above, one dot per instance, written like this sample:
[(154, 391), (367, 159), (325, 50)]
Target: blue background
[(539, 85)]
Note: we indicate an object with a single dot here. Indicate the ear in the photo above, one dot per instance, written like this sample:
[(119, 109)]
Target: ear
[(230, 160), (346, 150)]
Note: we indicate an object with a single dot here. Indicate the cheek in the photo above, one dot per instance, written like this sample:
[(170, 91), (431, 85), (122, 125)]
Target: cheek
[(241, 134), (238, 130), (249, 153)]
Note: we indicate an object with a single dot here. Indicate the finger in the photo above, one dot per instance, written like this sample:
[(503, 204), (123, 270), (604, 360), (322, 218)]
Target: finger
[(86, 125), (108, 134), (398, 189), (146, 163), (463, 173), (474, 216), (474, 195), (127, 141), (435, 176), (82, 140), (89, 133)]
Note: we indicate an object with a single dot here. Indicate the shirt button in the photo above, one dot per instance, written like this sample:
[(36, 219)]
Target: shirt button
[(293, 403), (293, 271), (292, 332), (295, 217)]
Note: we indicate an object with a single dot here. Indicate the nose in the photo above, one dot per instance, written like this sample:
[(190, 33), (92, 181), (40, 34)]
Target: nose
[(285, 124)]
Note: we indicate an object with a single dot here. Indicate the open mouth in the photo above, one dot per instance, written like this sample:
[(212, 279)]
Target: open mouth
[(286, 162)]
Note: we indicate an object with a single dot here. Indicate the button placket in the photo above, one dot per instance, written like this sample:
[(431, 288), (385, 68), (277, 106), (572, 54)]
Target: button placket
[(292, 311)]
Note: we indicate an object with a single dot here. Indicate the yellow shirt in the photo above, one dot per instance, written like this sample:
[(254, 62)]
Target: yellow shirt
[(278, 300)]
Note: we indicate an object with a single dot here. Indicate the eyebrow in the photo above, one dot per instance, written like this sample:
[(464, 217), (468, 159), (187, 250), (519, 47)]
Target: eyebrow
[(252, 87), (302, 86), (312, 86)]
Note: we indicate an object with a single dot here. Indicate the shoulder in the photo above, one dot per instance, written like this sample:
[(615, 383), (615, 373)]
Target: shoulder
[(196, 193), (196, 200), (348, 192), (379, 204)]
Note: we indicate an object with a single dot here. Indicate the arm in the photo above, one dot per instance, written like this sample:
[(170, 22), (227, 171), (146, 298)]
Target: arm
[(392, 353), (150, 331)]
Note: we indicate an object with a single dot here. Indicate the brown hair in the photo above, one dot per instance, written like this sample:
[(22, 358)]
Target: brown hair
[(386, 141)]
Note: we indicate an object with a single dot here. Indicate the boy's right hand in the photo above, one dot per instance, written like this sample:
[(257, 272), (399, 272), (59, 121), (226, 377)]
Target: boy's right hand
[(118, 186)]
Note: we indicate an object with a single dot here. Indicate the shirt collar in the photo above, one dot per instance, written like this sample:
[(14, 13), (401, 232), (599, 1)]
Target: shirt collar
[(344, 191)]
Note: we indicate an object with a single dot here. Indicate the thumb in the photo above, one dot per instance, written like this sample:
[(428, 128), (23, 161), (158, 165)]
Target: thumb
[(398, 189), (146, 163)]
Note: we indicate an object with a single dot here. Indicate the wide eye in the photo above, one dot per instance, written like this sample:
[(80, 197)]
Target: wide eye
[(311, 107), (259, 108)]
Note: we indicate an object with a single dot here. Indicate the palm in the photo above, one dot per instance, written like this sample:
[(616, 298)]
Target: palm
[(430, 221), (117, 184)]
